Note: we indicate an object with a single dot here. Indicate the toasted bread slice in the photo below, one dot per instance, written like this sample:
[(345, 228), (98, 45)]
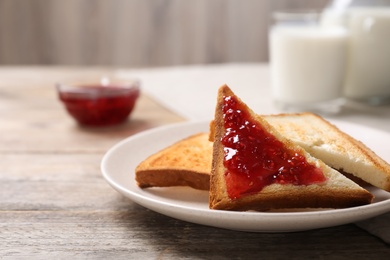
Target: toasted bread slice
[(185, 163), (334, 147), (258, 169)]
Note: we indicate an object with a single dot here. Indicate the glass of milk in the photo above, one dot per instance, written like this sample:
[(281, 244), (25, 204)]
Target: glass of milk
[(368, 70), (307, 63)]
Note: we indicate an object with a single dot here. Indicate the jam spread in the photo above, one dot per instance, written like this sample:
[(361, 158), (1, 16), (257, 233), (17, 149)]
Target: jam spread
[(254, 158)]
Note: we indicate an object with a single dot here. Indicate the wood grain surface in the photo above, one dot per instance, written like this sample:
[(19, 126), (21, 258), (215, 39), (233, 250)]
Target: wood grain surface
[(55, 204)]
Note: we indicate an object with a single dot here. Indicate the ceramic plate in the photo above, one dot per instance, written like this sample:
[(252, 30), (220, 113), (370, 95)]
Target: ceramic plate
[(191, 205)]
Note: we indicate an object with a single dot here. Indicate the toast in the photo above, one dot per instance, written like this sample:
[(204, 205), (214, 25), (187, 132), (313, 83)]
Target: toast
[(256, 168), (184, 163), (334, 147)]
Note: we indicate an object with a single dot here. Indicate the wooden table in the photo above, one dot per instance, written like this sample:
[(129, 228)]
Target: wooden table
[(55, 203)]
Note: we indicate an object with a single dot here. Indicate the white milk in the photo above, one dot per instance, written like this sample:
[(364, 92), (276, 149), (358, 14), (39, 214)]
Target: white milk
[(368, 70), (307, 63)]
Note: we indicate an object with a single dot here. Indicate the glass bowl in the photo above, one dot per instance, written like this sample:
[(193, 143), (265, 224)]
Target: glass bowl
[(99, 101)]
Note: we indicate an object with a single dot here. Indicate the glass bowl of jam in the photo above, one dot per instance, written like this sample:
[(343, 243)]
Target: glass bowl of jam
[(99, 101)]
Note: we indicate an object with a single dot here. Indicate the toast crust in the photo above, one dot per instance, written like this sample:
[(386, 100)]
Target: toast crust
[(336, 192), (184, 163), (337, 149)]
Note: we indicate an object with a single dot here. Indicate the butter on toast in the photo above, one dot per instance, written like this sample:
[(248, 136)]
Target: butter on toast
[(185, 163), (337, 149), (280, 175)]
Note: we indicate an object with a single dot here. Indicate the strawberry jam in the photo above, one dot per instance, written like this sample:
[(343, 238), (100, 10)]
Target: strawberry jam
[(97, 105), (254, 158)]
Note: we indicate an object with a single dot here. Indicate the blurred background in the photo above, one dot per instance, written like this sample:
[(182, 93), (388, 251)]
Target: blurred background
[(138, 33)]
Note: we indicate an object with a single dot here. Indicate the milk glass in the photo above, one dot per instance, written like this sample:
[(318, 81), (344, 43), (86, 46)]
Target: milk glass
[(307, 63), (368, 63), (369, 60)]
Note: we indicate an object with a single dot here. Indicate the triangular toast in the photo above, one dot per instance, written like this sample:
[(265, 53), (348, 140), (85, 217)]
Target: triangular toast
[(184, 163), (335, 148), (313, 133), (255, 168)]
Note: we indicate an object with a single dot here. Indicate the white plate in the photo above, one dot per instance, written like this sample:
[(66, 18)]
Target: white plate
[(191, 205)]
